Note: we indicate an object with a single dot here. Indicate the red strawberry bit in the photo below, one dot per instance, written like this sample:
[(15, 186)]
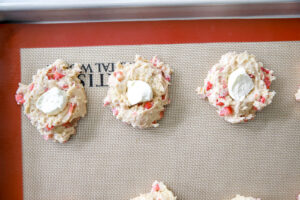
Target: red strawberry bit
[(226, 111), (148, 105), (19, 99), (154, 122), (49, 128), (31, 87), (220, 103), (119, 72), (46, 89), (67, 124), (267, 82), (58, 75), (251, 75), (65, 86), (163, 97), (209, 85), (156, 187), (254, 108), (106, 103), (71, 108), (168, 78), (265, 70), (50, 76), (262, 99), (161, 114)]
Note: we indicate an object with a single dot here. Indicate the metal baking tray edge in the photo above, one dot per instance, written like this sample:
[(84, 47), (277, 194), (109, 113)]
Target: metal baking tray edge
[(118, 10)]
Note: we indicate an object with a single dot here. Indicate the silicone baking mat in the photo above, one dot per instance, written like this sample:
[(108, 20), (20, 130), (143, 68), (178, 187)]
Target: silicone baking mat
[(196, 153)]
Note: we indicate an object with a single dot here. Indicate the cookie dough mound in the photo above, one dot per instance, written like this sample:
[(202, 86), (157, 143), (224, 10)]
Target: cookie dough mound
[(297, 95), (238, 197), (138, 92), (54, 101), (158, 191), (238, 86)]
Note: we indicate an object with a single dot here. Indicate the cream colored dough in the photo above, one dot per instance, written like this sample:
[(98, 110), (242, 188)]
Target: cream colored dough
[(238, 197), (158, 192), (59, 126), (215, 87), (145, 114), (297, 95)]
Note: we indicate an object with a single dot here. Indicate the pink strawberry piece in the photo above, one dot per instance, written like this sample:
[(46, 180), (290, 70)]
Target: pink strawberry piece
[(58, 75), (53, 69), (65, 86), (265, 70), (267, 82), (226, 111), (71, 108), (106, 103), (31, 87), (115, 111), (156, 187), (19, 99), (262, 99), (168, 78), (148, 105), (251, 76), (154, 61), (223, 94), (49, 128), (163, 97), (209, 85)]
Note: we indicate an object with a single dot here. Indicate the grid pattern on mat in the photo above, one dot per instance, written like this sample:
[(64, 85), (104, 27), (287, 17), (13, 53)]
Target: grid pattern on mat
[(196, 153)]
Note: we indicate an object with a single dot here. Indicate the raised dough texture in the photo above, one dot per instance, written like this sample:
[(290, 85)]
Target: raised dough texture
[(62, 125), (146, 114), (238, 197), (158, 192), (215, 87)]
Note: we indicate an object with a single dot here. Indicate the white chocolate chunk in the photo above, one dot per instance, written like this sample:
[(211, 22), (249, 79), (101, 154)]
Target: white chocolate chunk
[(239, 84), (52, 102), (138, 92)]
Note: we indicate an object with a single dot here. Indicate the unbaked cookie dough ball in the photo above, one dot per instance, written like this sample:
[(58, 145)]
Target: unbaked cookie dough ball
[(158, 191), (238, 86), (54, 101), (138, 92), (238, 197)]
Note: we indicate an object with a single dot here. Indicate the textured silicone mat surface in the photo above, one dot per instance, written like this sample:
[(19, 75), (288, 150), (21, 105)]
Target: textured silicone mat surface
[(195, 152)]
